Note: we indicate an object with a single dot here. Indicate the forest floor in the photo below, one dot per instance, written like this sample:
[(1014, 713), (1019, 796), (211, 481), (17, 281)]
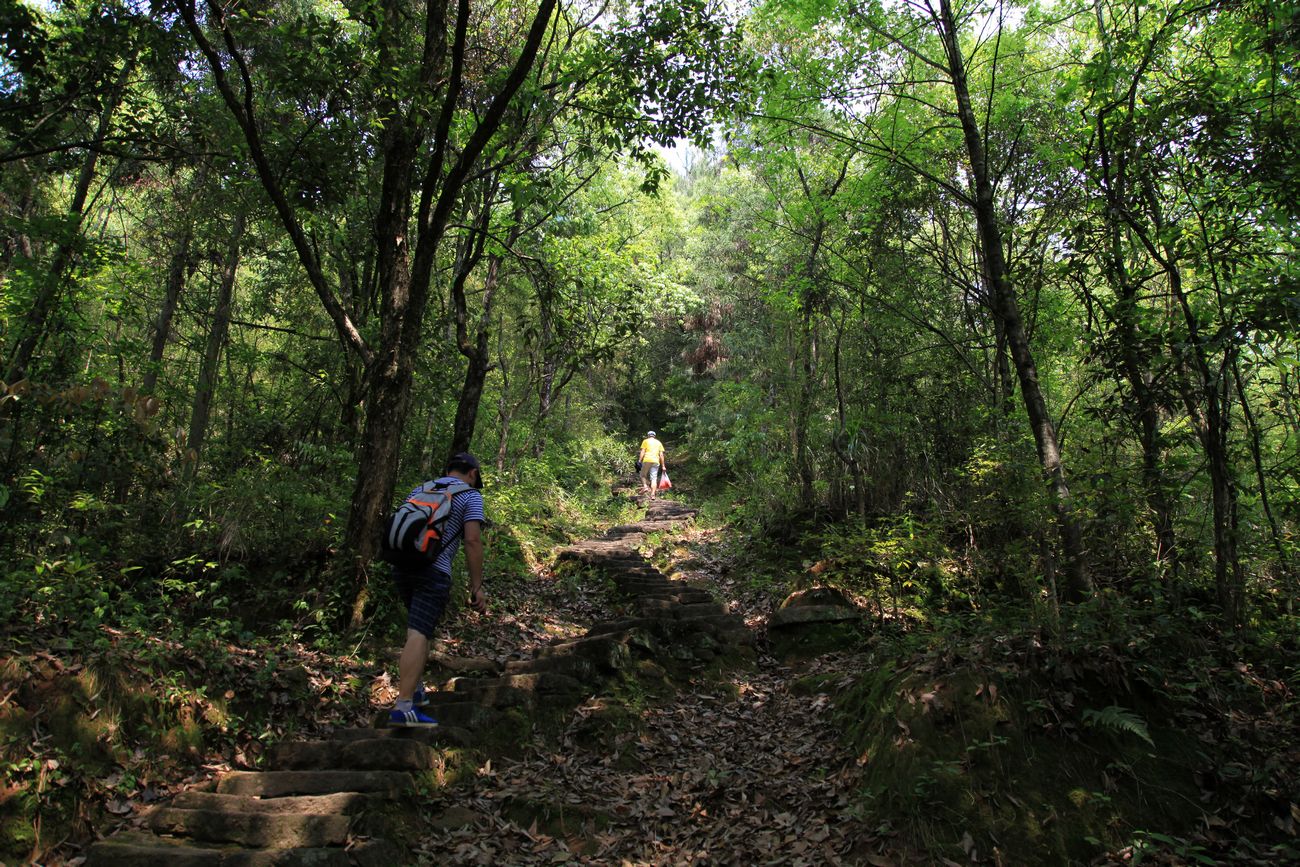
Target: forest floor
[(748, 764), (729, 767)]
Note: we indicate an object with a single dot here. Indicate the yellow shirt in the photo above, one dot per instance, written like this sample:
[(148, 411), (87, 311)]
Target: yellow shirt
[(652, 451)]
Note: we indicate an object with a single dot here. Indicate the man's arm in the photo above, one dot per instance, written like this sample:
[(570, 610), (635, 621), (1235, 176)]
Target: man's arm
[(473, 539)]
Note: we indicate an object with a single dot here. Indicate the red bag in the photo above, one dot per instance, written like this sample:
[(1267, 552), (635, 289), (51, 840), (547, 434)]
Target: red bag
[(664, 482)]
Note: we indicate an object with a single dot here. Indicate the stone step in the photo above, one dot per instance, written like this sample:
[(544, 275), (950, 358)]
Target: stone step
[(621, 575), (652, 591), (697, 610), (375, 754), (714, 622), (277, 784), (651, 525), (138, 849), (444, 735), (625, 532), (536, 682), (596, 553), (270, 831), (468, 718), (608, 652), (577, 667), (462, 664), (649, 582), (489, 695), (343, 803), (735, 635), (661, 598), (676, 610), (644, 572), (625, 625), (665, 608), (668, 510)]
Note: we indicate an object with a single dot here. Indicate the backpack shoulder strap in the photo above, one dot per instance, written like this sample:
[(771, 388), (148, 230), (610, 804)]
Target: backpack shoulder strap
[(451, 489)]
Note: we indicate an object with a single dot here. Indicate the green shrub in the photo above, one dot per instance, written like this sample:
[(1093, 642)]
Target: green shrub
[(900, 561)]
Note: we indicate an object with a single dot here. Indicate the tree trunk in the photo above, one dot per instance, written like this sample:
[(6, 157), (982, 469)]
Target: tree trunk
[(1006, 307), (1275, 532), (177, 272), (34, 327), (471, 393), (1208, 405), (390, 393), (1135, 359), (803, 410), (846, 452), (353, 297), (217, 332)]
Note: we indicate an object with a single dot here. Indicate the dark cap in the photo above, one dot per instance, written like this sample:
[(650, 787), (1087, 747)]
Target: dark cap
[(463, 462)]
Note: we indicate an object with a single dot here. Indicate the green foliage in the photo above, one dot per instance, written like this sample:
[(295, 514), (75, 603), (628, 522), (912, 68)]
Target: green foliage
[(560, 496), (901, 556), (1118, 719)]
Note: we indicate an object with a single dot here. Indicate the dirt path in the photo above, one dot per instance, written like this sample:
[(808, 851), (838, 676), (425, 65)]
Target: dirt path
[(742, 770), (736, 765)]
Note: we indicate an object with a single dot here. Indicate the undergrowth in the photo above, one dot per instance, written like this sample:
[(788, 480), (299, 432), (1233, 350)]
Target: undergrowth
[(1118, 736)]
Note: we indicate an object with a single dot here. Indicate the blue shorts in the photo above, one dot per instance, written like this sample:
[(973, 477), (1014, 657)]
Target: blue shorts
[(425, 593)]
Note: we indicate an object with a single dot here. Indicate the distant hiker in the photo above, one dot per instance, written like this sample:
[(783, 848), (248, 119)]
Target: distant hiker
[(426, 586), (652, 463)]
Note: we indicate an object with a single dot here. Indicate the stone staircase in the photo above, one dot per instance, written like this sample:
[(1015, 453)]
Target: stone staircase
[(339, 801)]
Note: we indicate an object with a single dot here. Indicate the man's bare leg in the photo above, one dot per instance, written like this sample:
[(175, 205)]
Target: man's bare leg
[(410, 665)]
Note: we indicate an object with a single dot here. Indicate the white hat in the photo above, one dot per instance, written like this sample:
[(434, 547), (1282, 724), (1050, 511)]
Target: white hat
[(650, 434)]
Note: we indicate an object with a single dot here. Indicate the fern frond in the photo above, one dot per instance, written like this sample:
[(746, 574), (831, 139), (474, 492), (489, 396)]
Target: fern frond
[(1118, 719)]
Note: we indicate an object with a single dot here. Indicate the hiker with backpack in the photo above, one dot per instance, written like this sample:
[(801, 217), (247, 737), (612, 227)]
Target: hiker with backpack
[(421, 539), (650, 463)]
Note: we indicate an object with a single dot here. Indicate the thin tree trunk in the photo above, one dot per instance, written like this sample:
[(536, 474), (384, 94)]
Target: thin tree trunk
[(476, 371), (353, 298), (1135, 359), (1006, 307), (803, 410), (1208, 406), (217, 332), (842, 449), (35, 326), (1147, 412), (178, 271), (1256, 453), (505, 412)]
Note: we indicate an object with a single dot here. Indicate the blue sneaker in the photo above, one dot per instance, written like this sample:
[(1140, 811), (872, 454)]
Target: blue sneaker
[(410, 719), (420, 698)]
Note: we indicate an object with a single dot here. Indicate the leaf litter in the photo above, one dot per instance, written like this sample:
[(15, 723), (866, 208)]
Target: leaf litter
[(738, 770), (757, 777)]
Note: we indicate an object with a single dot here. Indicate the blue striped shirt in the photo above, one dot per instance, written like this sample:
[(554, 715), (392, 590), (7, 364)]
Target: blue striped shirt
[(467, 506)]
